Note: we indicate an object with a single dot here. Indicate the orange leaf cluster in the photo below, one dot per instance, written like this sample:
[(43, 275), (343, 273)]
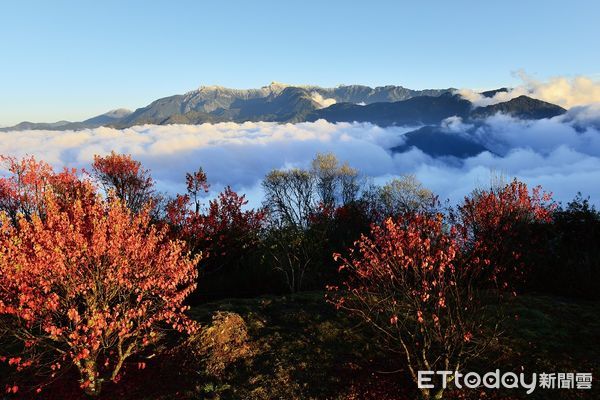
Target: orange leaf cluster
[(88, 280)]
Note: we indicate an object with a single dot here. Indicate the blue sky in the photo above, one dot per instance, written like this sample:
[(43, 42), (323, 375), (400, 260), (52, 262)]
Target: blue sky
[(75, 59)]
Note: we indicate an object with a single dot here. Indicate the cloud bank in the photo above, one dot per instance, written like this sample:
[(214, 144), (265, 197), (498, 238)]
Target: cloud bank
[(562, 154), (566, 92)]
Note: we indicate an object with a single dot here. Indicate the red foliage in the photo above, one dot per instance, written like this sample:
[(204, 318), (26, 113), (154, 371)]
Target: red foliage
[(498, 226), (410, 281), (89, 284), (23, 191), (223, 232), (124, 177), (228, 226), (420, 283)]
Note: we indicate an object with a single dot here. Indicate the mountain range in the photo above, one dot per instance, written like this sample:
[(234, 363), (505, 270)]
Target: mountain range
[(383, 106)]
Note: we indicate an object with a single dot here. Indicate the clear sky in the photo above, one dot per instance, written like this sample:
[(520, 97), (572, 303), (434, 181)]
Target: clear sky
[(75, 59)]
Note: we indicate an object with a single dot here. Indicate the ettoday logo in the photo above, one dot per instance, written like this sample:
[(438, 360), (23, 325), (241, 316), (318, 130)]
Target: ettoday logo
[(508, 380)]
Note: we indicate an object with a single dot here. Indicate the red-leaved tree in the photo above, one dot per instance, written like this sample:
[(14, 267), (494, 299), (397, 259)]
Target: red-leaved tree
[(88, 283), (410, 281), (224, 232), (125, 178), (499, 226)]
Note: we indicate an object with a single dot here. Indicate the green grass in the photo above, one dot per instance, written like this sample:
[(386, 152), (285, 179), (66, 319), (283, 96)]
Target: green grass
[(308, 350), (305, 349), (555, 334)]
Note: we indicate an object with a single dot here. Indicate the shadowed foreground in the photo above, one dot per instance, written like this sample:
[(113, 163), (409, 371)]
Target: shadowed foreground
[(301, 348)]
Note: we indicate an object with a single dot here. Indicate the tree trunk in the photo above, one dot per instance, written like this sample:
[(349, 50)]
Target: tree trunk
[(432, 394), (89, 374), (439, 395)]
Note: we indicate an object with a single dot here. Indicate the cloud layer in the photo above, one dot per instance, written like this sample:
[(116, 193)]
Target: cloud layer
[(561, 154), (566, 92)]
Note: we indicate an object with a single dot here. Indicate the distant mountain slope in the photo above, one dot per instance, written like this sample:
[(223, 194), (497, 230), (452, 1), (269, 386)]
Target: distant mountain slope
[(521, 107), (26, 125), (427, 110), (192, 118), (492, 93), (415, 111), (155, 112), (292, 104), (436, 142), (385, 105), (276, 102), (107, 118), (367, 95)]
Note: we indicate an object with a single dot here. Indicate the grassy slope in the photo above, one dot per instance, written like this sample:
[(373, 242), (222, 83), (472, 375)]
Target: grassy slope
[(305, 350)]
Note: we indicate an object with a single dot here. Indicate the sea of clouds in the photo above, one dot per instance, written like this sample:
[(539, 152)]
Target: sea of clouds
[(567, 92), (562, 154)]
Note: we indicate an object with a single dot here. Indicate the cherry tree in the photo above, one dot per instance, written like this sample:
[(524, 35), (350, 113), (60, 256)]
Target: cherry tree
[(410, 282), (89, 284), (223, 232), (499, 226), (125, 178)]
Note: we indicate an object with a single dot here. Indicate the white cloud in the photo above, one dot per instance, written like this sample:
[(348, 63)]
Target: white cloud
[(455, 125), (566, 92), (562, 153), (235, 154), (323, 102)]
